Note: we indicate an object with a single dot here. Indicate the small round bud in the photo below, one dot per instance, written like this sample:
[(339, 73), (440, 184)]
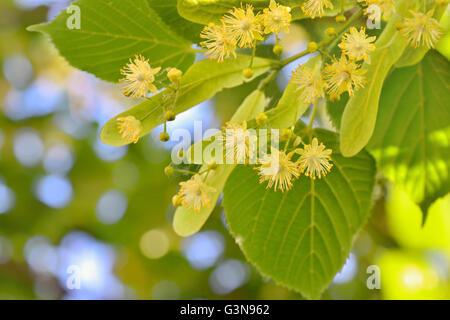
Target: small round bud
[(278, 49), (174, 75), (312, 47), (212, 165), (285, 134), (247, 73), (169, 115), (168, 171), (181, 153), (341, 18), (164, 137), (177, 200), (330, 31), (261, 119)]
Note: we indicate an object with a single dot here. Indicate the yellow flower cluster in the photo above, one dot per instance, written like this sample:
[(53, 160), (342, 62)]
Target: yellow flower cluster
[(139, 80), (279, 170), (316, 8), (342, 75), (193, 194), (421, 29), (387, 8), (242, 28)]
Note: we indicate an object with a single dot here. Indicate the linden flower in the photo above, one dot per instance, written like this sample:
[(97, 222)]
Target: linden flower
[(130, 128), (194, 193), (387, 8), (277, 18), (238, 142), (356, 45), (218, 43), (139, 77), (315, 160), (310, 82), (343, 75), (316, 8), (278, 169), (421, 29), (243, 26)]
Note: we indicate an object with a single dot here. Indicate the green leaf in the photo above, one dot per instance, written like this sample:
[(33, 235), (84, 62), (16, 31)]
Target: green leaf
[(301, 238), (112, 32), (335, 110), (168, 12), (358, 120), (201, 82), (412, 136), (206, 11), (186, 221)]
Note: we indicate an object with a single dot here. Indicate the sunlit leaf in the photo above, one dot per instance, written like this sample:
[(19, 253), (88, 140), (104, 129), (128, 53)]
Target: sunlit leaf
[(301, 238), (206, 11), (112, 32), (412, 138), (358, 120), (186, 221)]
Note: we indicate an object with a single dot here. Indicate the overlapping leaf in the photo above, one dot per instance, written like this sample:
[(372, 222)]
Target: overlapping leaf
[(201, 82), (301, 238), (113, 31), (205, 11), (412, 137)]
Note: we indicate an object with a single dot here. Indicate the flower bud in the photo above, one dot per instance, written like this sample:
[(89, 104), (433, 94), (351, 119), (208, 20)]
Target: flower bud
[(169, 115), (174, 75), (330, 31), (177, 200), (168, 171), (341, 18), (212, 165), (278, 49), (261, 119), (164, 137), (285, 133), (248, 73), (312, 47)]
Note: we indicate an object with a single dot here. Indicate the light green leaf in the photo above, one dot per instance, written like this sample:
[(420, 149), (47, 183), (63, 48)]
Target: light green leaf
[(201, 82), (168, 12), (412, 137), (112, 32), (186, 221), (301, 238), (206, 11), (358, 120)]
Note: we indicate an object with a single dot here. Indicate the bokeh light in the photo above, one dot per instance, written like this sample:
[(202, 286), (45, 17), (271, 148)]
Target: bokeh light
[(228, 276), (7, 198), (154, 244), (54, 191), (203, 249), (111, 207), (28, 147), (348, 271), (59, 159)]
